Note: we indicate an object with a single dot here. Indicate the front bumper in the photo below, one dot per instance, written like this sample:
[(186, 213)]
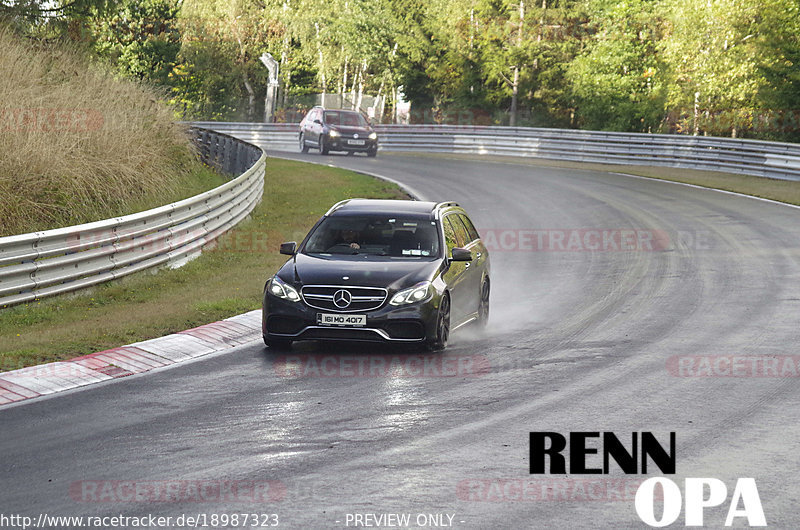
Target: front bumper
[(414, 323), (341, 143)]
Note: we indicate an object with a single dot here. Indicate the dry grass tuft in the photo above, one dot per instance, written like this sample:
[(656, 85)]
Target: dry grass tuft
[(77, 144)]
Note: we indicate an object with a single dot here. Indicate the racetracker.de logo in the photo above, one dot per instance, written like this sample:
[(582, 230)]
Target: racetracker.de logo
[(575, 240), (166, 491), (318, 365), (50, 120), (547, 489), (734, 365)]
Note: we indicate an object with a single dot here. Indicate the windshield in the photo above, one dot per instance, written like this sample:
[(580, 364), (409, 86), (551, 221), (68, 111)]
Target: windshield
[(393, 237), (345, 119)]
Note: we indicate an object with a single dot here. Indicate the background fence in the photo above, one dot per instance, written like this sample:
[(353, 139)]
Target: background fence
[(41, 264), (752, 157)]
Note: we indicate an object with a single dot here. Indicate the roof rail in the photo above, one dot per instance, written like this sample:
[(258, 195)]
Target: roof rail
[(340, 204), (446, 204)]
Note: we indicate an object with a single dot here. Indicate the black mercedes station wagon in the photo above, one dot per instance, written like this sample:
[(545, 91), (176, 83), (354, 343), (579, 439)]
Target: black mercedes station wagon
[(380, 270), (337, 130)]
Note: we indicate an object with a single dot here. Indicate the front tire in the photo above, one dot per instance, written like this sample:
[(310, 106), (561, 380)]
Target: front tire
[(372, 153), (323, 149), (303, 146), (439, 342), (483, 305)]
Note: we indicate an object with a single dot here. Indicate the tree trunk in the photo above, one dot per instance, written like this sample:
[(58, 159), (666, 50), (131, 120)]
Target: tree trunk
[(539, 33), (394, 103), (377, 106), (344, 79), (361, 85), (353, 92), (285, 91), (284, 69), (251, 98), (512, 121), (321, 64)]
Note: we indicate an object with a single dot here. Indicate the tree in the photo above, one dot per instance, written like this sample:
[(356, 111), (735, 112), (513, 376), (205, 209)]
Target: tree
[(36, 12), (618, 81), (778, 41), (713, 64), (237, 30), (505, 51), (141, 38)]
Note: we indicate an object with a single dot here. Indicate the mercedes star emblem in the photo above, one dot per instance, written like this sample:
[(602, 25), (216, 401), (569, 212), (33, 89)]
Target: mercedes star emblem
[(341, 298)]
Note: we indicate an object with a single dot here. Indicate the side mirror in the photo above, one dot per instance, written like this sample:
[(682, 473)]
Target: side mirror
[(318, 122), (289, 248), (461, 254)]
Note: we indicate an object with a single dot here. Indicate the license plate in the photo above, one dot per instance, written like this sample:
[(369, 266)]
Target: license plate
[(329, 319), (356, 142)]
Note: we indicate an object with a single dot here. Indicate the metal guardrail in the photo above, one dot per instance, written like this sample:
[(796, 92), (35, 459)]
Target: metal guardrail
[(40, 264), (751, 157)]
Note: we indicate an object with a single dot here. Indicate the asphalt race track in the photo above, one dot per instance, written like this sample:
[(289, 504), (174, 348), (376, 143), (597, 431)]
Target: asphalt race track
[(668, 339)]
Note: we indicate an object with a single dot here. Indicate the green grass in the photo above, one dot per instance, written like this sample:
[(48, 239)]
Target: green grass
[(222, 282)]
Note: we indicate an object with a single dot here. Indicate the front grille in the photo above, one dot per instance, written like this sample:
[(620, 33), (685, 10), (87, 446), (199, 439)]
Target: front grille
[(361, 298), (341, 334), (351, 136)]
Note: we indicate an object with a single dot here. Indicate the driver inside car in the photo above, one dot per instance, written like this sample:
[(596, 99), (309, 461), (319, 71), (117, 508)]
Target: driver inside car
[(348, 237)]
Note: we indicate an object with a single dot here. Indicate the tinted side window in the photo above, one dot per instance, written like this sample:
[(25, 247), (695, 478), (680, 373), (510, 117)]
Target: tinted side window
[(449, 235), (458, 227), (473, 234), (331, 118)]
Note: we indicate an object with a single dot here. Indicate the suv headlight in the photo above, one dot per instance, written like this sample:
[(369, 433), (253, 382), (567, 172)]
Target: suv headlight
[(373, 136), (418, 293), (333, 133), (281, 289)]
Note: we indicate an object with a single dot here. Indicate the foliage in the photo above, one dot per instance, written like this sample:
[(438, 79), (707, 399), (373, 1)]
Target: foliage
[(713, 62), (618, 79), (777, 33), (714, 67), (141, 38)]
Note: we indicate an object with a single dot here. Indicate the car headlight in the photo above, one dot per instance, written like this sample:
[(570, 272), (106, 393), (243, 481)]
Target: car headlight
[(373, 136), (418, 293), (281, 289), (333, 133)]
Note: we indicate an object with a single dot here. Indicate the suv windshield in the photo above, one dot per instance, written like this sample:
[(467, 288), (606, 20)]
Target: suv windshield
[(394, 237), (345, 119)]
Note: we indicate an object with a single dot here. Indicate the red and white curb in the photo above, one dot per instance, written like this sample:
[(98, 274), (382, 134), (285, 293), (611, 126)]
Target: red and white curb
[(35, 381)]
